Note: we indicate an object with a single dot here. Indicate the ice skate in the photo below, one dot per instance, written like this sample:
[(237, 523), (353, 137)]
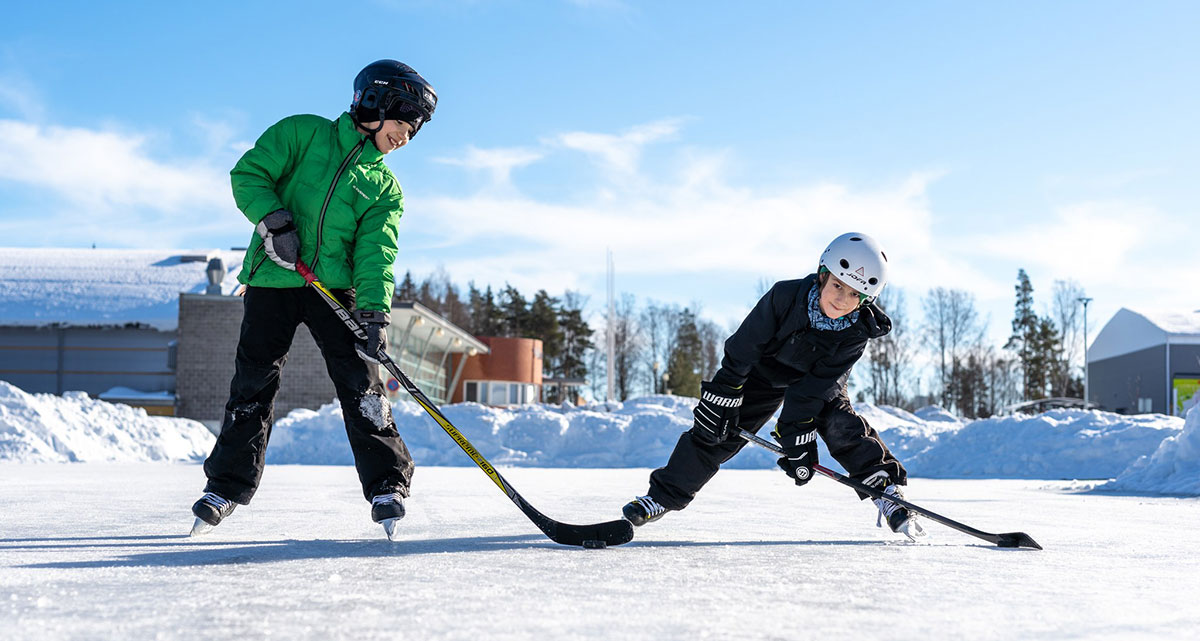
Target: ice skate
[(897, 516), (387, 510), (643, 510), (209, 511)]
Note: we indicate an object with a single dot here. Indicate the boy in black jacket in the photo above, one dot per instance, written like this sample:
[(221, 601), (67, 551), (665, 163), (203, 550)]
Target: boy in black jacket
[(796, 348)]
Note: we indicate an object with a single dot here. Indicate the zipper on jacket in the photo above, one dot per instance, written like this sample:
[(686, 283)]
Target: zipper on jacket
[(329, 195), (258, 264)]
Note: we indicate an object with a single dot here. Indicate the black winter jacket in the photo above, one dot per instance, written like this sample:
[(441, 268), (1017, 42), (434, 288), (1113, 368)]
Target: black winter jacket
[(776, 345)]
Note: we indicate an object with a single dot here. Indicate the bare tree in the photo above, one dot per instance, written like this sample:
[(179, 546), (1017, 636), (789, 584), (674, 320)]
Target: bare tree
[(712, 347), (951, 326), (1066, 311), (660, 323), (890, 357), (628, 345)]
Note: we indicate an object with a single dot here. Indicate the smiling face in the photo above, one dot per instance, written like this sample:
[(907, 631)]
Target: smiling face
[(393, 135), (837, 298)]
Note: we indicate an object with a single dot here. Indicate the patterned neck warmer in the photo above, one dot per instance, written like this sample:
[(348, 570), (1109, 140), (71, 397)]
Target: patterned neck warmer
[(817, 318)]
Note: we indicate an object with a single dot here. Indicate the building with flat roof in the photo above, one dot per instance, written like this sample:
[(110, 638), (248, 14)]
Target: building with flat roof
[(158, 329), (102, 321)]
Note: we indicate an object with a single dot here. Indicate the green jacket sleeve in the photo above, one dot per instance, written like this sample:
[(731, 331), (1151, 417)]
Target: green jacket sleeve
[(375, 248), (257, 173)]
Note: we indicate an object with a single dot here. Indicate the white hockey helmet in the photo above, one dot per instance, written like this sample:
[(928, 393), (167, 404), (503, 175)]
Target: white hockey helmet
[(857, 260)]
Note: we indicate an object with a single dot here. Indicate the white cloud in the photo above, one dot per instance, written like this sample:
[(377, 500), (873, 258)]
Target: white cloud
[(96, 185), (693, 222), (621, 152), (499, 163)]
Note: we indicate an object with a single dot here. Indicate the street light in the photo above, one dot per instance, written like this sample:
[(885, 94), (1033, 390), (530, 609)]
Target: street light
[(1085, 300)]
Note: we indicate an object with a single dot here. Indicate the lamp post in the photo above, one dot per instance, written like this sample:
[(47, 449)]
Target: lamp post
[(1085, 300)]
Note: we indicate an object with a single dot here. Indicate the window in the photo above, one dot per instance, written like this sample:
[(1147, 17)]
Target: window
[(1145, 405), (499, 392)]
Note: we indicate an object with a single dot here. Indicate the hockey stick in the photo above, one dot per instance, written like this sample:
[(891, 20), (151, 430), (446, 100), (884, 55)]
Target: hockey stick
[(596, 535), (1006, 540)]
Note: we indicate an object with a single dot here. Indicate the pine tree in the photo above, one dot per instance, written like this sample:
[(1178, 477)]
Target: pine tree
[(577, 340), (683, 367), (542, 323), (1023, 339), (407, 291), (514, 311)]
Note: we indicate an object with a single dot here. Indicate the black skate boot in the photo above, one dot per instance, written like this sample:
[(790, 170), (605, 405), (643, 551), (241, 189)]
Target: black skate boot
[(387, 510), (898, 518), (210, 510), (643, 510)]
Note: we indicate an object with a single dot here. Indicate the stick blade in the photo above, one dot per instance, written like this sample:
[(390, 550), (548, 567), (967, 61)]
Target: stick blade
[(610, 532), (1016, 540)]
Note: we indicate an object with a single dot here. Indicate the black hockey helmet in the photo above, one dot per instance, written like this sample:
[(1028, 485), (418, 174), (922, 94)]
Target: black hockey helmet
[(392, 90)]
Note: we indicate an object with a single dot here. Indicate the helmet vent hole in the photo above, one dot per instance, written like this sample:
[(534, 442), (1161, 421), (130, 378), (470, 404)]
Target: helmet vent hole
[(855, 238), (844, 263), (873, 281), (885, 258)]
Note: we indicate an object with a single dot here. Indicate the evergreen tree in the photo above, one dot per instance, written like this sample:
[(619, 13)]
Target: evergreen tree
[(683, 367), (488, 317), (1036, 343), (542, 323), (1023, 340), (407, 291), (577, 340), (474, 310), (515, 312)]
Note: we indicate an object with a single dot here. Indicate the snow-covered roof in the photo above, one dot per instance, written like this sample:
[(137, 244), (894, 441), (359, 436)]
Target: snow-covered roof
[(81, 287), (1130, 331)]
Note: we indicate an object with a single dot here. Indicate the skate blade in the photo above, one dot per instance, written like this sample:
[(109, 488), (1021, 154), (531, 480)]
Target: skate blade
[(200, 528), (913, 530), (390, 527)]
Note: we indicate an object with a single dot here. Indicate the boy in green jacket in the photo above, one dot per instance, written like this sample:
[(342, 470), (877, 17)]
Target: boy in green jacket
[(319, 191)]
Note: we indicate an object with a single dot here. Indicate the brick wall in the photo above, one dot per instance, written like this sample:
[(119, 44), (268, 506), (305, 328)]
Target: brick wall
[(208, 336)]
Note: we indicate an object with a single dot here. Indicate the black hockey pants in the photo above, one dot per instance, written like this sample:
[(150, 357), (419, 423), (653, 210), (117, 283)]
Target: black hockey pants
[(850, 439), (269, 323)]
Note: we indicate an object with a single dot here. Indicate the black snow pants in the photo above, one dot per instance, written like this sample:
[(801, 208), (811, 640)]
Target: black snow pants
[(269, 323), (850, 439)]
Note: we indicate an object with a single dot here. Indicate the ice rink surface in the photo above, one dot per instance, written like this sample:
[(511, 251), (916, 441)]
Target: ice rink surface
[(100, 551)]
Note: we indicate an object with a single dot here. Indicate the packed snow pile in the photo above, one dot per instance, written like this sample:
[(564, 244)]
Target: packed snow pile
[(1061, 444), (937, 414), (74, 427), (1058, 444), (1174, 468), (637, 433)]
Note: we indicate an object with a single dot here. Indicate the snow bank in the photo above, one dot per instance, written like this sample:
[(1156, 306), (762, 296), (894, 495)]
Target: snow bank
[(1174, 468), (641, 433), (74, 427), (937, 414), (638, 433), (1059, 444)]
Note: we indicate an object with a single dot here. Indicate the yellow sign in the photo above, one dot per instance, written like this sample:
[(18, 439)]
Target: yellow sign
[(1185, 389)]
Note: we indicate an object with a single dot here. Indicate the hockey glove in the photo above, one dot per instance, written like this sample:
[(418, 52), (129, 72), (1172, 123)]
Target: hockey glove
[(799, 441), (375, 325), (279, 238), (717, 412)]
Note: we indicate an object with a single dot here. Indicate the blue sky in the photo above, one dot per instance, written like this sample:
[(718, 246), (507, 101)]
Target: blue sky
[(710, 145)]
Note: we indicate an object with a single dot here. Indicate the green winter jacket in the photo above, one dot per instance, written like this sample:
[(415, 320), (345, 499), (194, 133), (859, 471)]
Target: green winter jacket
[(352, 243)]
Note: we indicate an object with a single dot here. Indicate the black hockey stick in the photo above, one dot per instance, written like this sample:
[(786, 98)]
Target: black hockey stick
[(1006, 540), (596, 535)]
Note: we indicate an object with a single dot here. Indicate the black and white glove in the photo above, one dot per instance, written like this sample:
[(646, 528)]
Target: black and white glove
[(279, 238), (374, 324), (717, 412), (799, 442)]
